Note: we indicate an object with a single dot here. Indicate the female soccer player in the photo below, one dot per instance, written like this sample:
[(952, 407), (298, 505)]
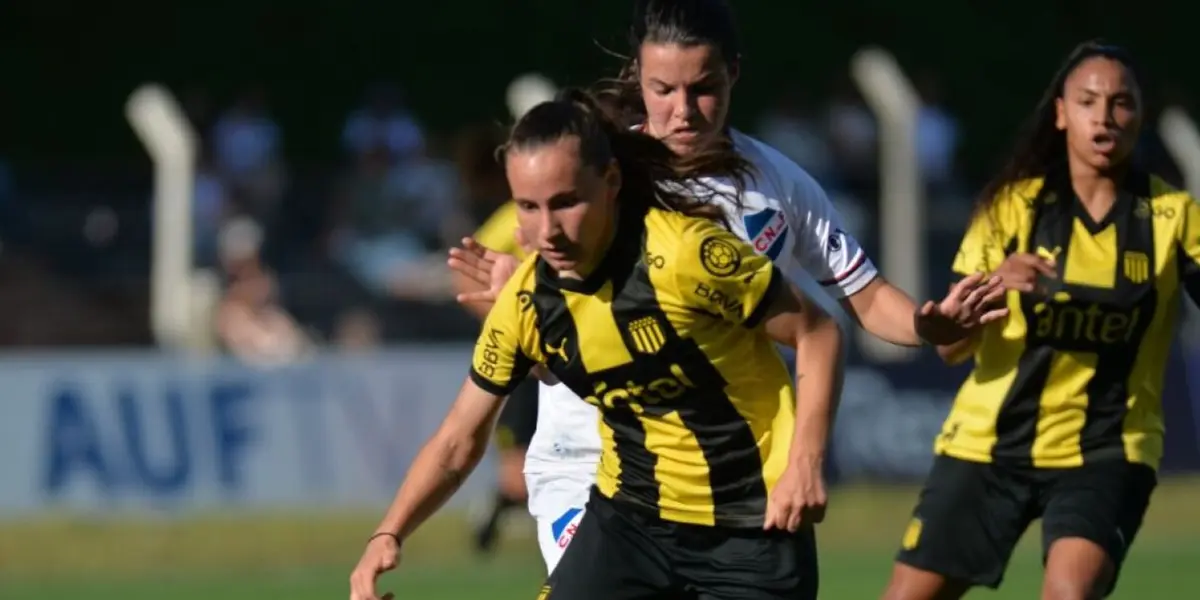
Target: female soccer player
[(685, 59), (665, 323), (1061, 417)]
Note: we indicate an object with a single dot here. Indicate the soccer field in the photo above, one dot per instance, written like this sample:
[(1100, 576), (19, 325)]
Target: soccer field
[(301, 557)]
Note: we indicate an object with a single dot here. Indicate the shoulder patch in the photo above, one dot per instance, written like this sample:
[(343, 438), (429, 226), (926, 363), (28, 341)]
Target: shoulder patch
[(766, 230)]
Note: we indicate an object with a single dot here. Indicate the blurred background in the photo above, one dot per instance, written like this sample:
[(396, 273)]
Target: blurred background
[(217, 364)]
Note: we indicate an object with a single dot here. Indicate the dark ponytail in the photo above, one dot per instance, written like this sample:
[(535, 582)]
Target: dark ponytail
[(652, 175)]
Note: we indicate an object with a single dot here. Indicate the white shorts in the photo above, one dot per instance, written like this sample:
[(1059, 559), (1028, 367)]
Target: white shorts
[(557, 502)]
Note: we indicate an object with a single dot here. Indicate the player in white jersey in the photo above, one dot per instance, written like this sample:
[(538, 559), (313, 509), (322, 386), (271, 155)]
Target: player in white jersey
[(685, 61)]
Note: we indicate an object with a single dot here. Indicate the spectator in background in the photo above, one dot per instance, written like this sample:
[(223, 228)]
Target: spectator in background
[(428, 189), (385, 223), (853, 139), (247, 153), (384, 122), (792, 127), (210, 208), (937, 136), (374, 241), (251, 324)]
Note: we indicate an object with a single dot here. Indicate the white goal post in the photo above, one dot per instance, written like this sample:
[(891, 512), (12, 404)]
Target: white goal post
[(172, 145)]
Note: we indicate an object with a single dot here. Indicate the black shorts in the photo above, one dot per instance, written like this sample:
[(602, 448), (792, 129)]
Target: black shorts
[(625, 553), (518, 418), (971, 515)]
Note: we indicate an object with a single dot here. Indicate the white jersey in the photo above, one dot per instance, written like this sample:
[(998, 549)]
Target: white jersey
[(785, 215)]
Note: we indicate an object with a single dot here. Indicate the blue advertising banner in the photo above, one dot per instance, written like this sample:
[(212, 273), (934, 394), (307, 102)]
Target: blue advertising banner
[(148, 432)]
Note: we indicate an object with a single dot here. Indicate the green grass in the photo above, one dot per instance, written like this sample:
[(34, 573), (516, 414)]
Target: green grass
[(308, 557)]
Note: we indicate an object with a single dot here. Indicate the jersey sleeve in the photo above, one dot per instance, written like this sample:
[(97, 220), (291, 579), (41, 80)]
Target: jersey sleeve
[(498, 232), (983, 246), (500, 360), (823, 247), (1189, 249), (717, 272)]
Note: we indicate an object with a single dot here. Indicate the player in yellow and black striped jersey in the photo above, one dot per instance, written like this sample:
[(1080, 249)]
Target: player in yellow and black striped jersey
[(1061, 417), (518, 419), (667, 333), (665, 321)]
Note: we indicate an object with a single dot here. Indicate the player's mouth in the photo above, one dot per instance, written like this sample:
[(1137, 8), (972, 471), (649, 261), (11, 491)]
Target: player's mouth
[(556, 254), (685, 134), (1105, 143)]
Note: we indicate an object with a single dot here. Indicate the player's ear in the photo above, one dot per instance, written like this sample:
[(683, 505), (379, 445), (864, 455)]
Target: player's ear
[(612, 179), (1060, 114), (735, 70)]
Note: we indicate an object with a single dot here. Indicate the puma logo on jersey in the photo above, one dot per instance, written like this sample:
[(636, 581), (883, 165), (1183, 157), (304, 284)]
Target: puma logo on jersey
[(1050, 255), (560, 350)]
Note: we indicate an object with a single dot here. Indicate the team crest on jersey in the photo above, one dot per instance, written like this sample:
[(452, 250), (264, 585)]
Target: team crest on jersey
[(767, 231), (647, 336), (563, 528), (1137, 266)]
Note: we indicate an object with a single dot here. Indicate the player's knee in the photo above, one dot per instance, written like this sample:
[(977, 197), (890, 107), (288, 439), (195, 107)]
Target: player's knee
[(1067, 588), (911, 583), (1076, 569)]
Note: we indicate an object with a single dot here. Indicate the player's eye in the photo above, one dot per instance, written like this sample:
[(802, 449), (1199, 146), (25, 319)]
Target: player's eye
[(565, 201)]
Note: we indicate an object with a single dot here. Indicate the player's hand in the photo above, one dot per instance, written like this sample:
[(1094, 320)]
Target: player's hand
[(798, 498), (1020, 272), (381, 555), (484, 266), (972, 302)]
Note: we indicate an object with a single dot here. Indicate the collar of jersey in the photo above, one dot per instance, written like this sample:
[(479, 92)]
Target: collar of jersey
[(1136, 184)]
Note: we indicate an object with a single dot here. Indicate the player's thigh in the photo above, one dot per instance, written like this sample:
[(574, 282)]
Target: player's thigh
[(610, 558), (1095, 511), (556, 532), (557, 502), (967, 522), (751, 565)]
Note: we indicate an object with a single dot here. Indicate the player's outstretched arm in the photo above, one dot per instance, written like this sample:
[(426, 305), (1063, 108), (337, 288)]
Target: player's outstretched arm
[(890, 314), (439, 469)]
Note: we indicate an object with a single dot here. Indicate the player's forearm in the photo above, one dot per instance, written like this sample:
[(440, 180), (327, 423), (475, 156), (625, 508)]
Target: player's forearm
[(885, 311), (818, 386), (960, 351), (438, 471)]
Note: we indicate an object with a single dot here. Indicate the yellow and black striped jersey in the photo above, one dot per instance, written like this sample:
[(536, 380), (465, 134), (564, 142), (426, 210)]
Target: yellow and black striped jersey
[(1075, 375), (664, 337), (499, 231)]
